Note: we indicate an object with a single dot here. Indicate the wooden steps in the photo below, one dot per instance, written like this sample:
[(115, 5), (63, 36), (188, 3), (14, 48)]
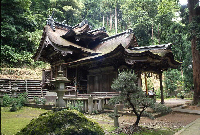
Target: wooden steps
[(32, 87)]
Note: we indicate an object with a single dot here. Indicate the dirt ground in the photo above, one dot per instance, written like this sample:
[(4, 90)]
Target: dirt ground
[(193, 108), (170, 121), (173, 121)]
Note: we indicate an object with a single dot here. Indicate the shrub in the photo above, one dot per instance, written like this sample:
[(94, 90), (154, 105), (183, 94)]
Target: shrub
[(38, 100), (13, 107), (7, 100), (15, 103), (77, 106), (65, 122)]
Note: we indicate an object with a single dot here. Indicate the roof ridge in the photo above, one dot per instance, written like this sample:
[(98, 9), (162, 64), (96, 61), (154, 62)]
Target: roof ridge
[(85, 21), (128, 31), (99, 29), (162, 46)]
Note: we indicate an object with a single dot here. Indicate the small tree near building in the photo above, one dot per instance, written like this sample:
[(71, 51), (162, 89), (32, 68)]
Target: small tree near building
[(133, 97)]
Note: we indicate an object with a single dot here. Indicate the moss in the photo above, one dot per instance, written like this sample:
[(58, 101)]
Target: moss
[(65, 122)]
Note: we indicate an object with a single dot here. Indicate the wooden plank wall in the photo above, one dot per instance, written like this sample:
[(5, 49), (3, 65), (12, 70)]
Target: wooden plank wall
[(101, 83), (32, 87)]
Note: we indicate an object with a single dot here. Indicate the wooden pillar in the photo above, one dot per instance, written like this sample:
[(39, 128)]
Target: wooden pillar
[(51, 76), (76, 93), (145, 77), (66, 73), (139, 79), (88, 85), (161, 88)]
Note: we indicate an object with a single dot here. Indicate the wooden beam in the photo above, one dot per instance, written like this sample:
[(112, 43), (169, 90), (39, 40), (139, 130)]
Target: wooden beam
[(161, 88)]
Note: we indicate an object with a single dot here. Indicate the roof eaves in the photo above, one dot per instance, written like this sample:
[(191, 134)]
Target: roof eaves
[(118, 48)]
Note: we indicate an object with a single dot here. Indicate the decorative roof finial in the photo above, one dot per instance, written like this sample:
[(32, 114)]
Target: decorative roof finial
[(51, 22), (129, 30), (83, 23)]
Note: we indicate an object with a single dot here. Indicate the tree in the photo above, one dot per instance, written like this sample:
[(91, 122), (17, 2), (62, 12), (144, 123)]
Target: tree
[(17, 32), (22, 24), (132, 96), (194, 20)]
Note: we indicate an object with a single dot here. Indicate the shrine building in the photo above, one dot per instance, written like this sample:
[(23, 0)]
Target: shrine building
[(91, 59)]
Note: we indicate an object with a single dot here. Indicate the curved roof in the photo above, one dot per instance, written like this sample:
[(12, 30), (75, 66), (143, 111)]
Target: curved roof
[(130, 57), (66, 39), (54, 38)]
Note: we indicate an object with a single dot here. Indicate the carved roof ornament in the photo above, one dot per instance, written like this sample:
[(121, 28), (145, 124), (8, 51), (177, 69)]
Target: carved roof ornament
[(83, 23), (51, 22)]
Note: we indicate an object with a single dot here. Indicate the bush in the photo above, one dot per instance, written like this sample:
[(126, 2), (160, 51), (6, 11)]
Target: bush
[(7, 100), (13, 107), (38, 100), (77, 106), (65, 122), (15, 103)]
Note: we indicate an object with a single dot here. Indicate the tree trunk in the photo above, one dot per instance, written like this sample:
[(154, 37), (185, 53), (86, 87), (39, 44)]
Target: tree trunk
[(115, 20), (158, 35), (196, 72), (107, 22), (152, 32), (111, 21), (195, 53), (103, 20), (137, 121)]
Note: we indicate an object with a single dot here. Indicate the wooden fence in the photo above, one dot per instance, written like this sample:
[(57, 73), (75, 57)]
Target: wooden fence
[(32, 87)]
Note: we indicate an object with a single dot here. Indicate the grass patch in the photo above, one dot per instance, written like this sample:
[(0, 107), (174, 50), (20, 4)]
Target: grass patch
[(155, 132), (12, 122), (107, 127), (141, 131)]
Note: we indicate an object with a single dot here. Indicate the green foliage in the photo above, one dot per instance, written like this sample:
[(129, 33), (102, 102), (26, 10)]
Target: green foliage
[(38, 100), (15, 103), (7, 100), (133, 97), (12, 58), (62, 122), (172, 80), (77, 106), (21, 32), (158, 92), (125, 82), (13, 107)]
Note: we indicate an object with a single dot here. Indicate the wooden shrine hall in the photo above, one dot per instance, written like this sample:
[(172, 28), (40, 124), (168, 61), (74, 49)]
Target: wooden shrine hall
[(91, 59)]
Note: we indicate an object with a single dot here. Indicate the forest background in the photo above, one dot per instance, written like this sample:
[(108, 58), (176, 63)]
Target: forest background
[(153, 22)]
